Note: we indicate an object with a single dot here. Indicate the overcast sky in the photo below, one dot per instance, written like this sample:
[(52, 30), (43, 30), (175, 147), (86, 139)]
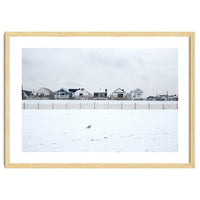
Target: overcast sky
[(154, 70)]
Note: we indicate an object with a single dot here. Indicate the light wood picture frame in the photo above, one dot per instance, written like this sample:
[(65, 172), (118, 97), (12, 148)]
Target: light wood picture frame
[(191, 106)]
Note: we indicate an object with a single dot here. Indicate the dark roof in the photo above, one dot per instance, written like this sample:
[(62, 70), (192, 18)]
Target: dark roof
[(73, 90), (28, 93), (63, 90), (151, 97)]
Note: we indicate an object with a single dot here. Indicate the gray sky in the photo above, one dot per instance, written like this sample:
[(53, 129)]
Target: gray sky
[(153, 70)]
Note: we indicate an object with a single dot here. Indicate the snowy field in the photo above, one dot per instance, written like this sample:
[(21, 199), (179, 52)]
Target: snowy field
[(99, 130)]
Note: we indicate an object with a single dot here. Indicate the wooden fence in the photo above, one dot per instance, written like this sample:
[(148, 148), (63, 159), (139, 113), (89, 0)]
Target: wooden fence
[(85, 105)]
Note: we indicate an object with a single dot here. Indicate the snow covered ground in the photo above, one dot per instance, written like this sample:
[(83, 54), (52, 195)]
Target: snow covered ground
[(99, 130)]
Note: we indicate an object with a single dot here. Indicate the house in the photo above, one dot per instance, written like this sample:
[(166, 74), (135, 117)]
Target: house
[(136, 94), (100, 94), (73, 91), (173, 98), (45, 93), (82, 94), (151, 98), (27, 94), (162, 97), (63, 94), (118, 94), (166, 97)]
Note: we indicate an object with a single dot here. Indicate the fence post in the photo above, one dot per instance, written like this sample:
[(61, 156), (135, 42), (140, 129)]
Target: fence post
[(80, 105), (52, 106), (149, 106), (108, 105), (24, 106), (121, 106), (38, 106), (66, 105), (94, 105), (163, 106), (177, 106), (135, 106)]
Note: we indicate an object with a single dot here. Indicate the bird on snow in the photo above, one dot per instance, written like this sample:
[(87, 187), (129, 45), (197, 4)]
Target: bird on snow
[(88, 127)]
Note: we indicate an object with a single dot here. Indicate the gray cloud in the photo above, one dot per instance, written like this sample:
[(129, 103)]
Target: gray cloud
[(153, 70)]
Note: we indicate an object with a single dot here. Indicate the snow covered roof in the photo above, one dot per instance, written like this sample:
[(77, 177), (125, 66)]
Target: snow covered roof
[(119, 90), (83, 91), (137, 91), (173, 97), (44, 89), (62, 89), (100, 91)]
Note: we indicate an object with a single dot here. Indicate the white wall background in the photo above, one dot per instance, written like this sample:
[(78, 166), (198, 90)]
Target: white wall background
[(104, 15)]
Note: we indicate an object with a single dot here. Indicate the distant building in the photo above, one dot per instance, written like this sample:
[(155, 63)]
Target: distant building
[(173, 98), (82, 94), (45, 93), (63, 94), (118, 94), (27, 94), (151, 98), (167, 97), (100, 94), (162, 97), (136, 94)]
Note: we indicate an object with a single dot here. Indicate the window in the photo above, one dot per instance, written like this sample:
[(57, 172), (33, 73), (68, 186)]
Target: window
[(102, 95)]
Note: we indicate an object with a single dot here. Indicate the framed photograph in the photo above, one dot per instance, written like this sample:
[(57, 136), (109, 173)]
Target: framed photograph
[(99, 99)]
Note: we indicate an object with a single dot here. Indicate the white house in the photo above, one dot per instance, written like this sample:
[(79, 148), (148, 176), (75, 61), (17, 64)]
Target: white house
[(82, 94), (100, 94), (118, 94), (45, 92), (136, 94)]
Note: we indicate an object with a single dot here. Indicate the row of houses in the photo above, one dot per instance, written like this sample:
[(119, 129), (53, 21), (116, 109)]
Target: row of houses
[(82, 93), (163, 98)]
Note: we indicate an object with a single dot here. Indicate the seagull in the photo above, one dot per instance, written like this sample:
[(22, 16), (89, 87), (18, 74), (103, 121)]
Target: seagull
[(88, 126)]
